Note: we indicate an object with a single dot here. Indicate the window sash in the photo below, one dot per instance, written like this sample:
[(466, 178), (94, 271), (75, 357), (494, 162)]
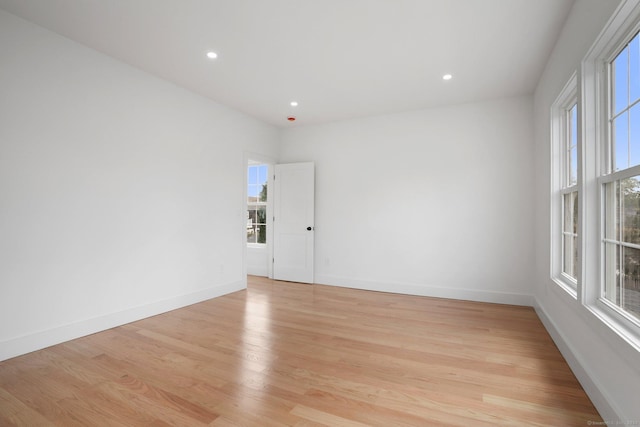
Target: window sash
[(569, 251), (618, 257)]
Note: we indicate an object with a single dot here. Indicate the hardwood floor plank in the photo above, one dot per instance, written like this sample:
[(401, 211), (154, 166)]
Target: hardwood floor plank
[(324, 418), (14, 412), (288, 354), (549, 415)]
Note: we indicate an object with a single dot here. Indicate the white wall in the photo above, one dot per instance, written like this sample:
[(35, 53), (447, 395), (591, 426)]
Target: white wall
[(432, 202), (605, 364), (120, 193), (121, 197)]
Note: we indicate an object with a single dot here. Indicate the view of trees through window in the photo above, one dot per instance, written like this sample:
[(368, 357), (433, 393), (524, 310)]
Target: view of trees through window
[(257, 203), (622, 244)]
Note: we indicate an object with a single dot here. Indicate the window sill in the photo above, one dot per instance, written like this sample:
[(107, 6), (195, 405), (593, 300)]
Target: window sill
[(623, 328), (565, 287)]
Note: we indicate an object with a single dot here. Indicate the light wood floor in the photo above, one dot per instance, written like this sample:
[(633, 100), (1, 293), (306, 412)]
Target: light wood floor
[(303, 355)]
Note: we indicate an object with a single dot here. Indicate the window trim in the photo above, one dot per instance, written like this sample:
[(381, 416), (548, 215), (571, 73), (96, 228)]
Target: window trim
[(561, 184), (595, 159)]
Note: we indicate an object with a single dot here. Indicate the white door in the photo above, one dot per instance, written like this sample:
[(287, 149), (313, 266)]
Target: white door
[(293, 226)]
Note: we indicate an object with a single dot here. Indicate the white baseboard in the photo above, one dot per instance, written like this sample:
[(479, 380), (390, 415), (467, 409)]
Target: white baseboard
[(604, 405), (39, 340), (253, 270), (428, 291)]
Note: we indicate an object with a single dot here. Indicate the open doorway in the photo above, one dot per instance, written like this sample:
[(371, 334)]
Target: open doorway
[(259, 217)]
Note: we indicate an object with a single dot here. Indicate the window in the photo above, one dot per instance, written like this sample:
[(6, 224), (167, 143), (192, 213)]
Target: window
[(570, 193), (609, 181), (564, 118), (257, 203), (620, 182)]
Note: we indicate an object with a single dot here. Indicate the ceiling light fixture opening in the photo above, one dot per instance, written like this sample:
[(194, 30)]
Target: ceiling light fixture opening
[(294, 104), (212, 55), (447, 77)]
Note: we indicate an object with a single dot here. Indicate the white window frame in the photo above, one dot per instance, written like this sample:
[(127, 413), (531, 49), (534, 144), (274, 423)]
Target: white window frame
[(561, 184), (596, 162)]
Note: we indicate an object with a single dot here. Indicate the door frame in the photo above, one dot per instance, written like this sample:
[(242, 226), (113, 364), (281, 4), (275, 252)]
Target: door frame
[(268, 160)]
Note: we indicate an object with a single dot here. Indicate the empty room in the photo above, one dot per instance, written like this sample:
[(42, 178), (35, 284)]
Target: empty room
[(319, 212)]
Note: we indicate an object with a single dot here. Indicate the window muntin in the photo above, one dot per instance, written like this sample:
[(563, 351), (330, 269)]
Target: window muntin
[(257, 203)]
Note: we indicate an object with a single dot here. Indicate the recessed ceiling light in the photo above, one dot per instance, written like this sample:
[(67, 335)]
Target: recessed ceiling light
[(447, 77), (212, 55), (294, 104)]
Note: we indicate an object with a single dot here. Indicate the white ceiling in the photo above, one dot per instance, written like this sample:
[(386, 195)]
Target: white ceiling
[(338, 58)]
